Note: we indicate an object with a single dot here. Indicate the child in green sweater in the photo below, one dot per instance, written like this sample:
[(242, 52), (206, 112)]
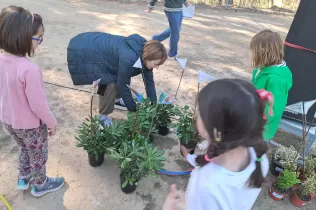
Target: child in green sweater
[(272, 74)]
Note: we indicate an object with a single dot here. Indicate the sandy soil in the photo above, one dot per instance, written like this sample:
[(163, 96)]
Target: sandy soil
[(213, 41)]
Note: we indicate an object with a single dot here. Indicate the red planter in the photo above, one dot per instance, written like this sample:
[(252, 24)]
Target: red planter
[(313, 195), (274, 194), (296, 201)]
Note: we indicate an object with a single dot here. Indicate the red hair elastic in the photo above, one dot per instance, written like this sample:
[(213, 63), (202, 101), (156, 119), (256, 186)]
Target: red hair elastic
[(207, 158), (266, 96)]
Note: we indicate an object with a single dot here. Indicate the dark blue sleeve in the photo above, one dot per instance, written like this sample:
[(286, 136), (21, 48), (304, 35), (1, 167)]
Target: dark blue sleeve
[(123, 79), (150, 85)]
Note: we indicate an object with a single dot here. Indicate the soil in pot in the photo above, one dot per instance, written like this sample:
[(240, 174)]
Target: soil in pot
[(129, 188), (299, 201), (275, 168), (191, 145), (94, 162), (163, 130), (275, 193)]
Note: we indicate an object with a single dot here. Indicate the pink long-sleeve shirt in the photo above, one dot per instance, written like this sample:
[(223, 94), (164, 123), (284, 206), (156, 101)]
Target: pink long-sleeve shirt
[(23, 103)]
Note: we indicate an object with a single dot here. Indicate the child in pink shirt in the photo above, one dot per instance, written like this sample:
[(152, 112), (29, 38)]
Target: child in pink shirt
[(24, 110)]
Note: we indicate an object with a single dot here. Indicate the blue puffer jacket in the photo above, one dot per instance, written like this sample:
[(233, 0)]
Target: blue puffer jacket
[(95, 55)]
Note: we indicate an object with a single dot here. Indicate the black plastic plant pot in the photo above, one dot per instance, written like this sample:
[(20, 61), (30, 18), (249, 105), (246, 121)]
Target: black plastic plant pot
[(94, 162), (128, 188), (275, 168), (191, 145), (163, 130)]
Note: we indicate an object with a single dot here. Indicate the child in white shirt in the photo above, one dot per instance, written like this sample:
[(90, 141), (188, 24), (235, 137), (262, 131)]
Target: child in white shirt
[(230, 174)]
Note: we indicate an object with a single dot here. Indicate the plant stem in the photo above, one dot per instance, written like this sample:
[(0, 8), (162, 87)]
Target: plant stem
[(179, 84), (304, 137), (136, 119), (152, 120)]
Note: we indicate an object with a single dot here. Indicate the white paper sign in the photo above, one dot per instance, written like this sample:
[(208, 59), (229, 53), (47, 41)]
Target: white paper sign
[(95, 85), (188, 12), (182, 62), (204, 77), (138, 64), (298, 107)]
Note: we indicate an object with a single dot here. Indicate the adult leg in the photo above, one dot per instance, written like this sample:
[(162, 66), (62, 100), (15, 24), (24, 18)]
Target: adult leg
[(107, 100), (164, 35), (175, 21)]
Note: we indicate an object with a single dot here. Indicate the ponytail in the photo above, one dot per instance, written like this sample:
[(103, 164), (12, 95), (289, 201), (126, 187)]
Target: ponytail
[(257, 178)]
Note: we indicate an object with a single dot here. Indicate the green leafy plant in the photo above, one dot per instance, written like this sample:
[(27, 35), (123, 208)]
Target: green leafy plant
[(137, 159), (164, 114), (145, 114), (310, 166), (91, 137), (286, 180), (307, 187), (286, 157), (184, 127)]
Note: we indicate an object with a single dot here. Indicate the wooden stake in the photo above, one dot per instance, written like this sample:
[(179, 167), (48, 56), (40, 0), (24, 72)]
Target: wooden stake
[(179, 84), (198, 90), (304, 136), (136, 119)]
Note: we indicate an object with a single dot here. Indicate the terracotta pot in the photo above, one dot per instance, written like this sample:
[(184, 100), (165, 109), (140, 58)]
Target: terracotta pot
[(297, 201), (274, 194), (313, 195)]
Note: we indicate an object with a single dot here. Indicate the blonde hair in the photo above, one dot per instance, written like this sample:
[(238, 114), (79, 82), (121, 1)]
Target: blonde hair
[(266, 49), (154, 50)]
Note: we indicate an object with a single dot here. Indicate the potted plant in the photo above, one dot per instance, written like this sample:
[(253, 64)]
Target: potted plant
[(310, 167), (142, 119), (91, 139), (137, 159), (163, 118), (285, 181), (185, 129), (283, 158), (302, 195)]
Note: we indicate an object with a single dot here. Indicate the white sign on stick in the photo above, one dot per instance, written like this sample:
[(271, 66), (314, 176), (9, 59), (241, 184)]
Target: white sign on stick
[(182, 62), (138, 64), (188, 12), (205, 77)]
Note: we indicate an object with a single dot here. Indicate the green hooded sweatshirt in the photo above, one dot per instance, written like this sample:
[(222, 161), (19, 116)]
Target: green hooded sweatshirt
[(277, 80)]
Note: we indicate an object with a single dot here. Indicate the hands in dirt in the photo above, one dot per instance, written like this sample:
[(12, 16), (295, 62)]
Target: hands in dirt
[(52, 131)]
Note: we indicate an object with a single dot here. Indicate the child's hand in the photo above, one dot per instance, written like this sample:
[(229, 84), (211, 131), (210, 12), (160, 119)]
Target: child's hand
[(188, 4), (175, 199), (185, 151), (51, 131)]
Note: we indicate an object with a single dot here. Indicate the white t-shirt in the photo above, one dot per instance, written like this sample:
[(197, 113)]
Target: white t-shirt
[(213, 187)]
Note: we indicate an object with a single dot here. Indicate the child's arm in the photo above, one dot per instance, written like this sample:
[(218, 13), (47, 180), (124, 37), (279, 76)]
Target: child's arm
[(35, 93)]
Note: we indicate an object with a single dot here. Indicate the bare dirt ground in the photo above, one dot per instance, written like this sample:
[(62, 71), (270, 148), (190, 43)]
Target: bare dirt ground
[(214, 41)]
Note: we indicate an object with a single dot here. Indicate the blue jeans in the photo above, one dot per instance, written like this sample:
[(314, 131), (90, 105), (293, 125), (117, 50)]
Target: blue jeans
[(175, 21)]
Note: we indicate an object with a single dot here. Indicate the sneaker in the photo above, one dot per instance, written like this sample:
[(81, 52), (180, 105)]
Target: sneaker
[(172, 57), (119, 104), (106, 120), (24, 184), (51, 185)]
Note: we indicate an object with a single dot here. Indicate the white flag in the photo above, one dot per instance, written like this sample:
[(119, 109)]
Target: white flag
[(95, 84), (308, 105), (298, 107), (138, 64), (204, 77), (182, 62)]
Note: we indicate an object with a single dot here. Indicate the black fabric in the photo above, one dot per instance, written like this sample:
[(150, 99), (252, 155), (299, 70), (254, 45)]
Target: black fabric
[(95, 55), (302, 63)]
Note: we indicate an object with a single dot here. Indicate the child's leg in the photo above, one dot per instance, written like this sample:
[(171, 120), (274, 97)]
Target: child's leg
[(24, 163), (164, 35), (175, 21)]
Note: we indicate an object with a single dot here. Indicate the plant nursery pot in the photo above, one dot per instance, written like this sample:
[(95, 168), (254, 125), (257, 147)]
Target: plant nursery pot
[(163, 130), (275, 168), (129, 188), (191, 145), (298, 202), (275, 194), (94, 162), (313, 195)]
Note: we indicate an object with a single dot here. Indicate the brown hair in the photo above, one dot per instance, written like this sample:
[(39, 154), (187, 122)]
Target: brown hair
[(233, 108), (154, 50), (17, 29), (266, 49)]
